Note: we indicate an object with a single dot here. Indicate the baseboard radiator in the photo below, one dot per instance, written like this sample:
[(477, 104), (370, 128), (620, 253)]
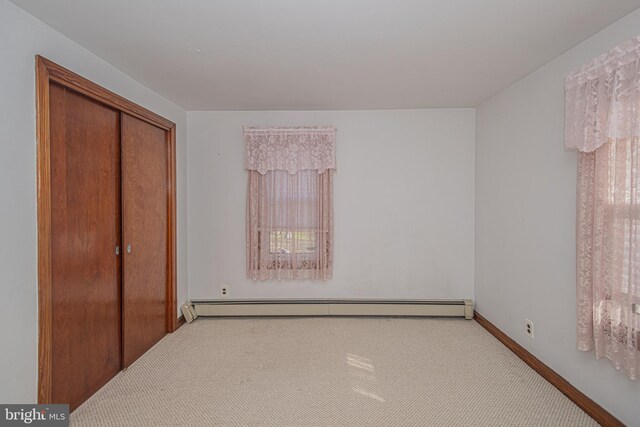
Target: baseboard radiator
[(327, 307)]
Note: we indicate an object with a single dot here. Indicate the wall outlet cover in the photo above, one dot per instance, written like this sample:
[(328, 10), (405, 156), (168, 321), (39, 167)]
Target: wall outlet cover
[(528, 324)]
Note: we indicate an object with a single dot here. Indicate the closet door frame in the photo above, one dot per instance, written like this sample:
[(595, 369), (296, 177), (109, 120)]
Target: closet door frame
[(46, 73)]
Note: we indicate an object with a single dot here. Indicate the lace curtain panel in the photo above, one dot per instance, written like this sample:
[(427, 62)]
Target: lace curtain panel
[(603, 112), (290, 203), (608, 242)]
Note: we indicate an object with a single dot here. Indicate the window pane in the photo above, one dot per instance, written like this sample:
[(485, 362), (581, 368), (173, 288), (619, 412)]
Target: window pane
[(289, 242)]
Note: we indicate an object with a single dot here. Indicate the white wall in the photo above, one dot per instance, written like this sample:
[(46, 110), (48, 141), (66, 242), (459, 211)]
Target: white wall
[(525, 223), (403, 194), (21, 38)]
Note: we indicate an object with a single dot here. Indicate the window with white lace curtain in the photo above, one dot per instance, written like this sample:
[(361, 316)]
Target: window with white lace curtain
[(603, 124), (290, 202)]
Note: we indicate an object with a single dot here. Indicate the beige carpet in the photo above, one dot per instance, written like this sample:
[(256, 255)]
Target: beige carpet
[(329, 372)]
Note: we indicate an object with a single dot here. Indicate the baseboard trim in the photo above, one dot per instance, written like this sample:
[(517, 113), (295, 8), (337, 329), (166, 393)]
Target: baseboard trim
[(595, 411), (180, 322)]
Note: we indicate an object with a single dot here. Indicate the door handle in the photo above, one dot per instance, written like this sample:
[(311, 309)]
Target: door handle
[(129, 248)]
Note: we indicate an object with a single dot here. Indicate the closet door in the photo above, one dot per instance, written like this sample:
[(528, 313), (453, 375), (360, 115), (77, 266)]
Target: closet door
[(85, 270), (145, 208)]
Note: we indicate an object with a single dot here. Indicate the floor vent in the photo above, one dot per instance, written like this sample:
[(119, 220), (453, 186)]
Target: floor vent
[(327, 307)]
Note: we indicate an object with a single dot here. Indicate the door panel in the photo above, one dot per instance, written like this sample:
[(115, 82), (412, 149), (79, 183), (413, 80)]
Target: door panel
[(86, 328), (144, 211)]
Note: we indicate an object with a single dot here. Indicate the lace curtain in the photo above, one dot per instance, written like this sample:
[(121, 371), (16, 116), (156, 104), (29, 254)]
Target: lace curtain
[(602, 122), (290, 202), (603, 99)]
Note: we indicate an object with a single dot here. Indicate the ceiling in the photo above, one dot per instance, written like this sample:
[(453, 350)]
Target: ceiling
[(327, 54)]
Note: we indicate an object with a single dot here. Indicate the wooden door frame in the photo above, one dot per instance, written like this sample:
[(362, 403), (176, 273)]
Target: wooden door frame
[(46, 73)]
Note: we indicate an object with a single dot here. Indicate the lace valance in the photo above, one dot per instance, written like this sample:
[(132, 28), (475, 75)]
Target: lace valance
[(602, 99), (290, 149)]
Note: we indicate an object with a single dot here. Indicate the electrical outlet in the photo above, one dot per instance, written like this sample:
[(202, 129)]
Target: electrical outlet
[(528, 324), (224, 291)]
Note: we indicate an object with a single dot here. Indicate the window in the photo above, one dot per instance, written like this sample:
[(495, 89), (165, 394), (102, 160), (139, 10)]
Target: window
[(293, 200), (609, 242), (290, 242), (602, 118), (289, 203)]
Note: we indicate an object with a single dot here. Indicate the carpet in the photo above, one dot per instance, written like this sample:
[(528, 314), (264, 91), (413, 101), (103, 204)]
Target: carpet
[(329, 372)]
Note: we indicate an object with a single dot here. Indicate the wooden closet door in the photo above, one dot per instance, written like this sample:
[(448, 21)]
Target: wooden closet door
[(85, 270), (145, 207)]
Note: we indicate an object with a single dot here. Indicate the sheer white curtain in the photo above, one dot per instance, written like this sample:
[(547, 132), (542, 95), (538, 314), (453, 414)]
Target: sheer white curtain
[(603, 124), (290, 202)]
